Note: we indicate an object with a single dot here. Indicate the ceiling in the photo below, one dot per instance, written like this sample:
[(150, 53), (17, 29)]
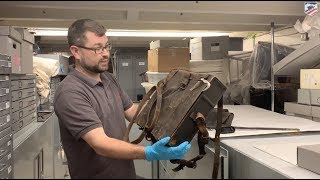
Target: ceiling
[(238, 17)]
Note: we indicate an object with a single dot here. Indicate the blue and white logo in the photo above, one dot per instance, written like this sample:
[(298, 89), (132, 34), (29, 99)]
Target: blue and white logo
[(310, 8)]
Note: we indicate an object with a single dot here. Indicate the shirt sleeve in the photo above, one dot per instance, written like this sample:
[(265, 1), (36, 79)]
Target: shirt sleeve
[(76, 113)]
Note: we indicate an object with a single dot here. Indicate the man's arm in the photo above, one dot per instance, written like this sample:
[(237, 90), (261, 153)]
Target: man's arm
[(112, 148), (129, 113)]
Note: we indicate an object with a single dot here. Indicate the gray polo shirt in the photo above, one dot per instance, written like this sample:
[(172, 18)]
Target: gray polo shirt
[(83, 104)]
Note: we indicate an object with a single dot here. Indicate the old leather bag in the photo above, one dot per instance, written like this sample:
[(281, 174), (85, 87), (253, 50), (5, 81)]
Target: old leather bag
[(177, 108)]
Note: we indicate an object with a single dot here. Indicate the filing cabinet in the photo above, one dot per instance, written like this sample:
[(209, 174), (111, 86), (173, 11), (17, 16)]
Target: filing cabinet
[(6, 147), (23, 100)]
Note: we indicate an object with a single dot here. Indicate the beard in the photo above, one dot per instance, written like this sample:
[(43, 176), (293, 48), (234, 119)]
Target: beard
[(98, 68)]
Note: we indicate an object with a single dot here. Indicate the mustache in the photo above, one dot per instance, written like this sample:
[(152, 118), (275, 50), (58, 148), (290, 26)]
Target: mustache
[(104, 59)]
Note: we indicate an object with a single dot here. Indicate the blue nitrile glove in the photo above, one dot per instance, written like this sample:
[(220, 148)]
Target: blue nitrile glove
[(159, 150)]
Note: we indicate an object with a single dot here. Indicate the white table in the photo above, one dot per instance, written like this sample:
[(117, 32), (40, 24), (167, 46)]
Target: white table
[(265, 153)]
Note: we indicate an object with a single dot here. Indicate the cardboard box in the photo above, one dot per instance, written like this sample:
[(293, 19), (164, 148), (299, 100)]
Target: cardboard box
[(26, 51), (308, 157), (293, 107), (169, 44), (166, 59), (310, 78), (209, 48), (309, 96), (11, 45)]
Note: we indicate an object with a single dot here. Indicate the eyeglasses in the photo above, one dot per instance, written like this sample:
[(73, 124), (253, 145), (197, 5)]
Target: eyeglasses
[(98, 50)]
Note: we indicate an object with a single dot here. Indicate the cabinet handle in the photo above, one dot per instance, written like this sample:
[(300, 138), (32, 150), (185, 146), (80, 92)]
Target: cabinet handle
[(20, 104), (20, 94)]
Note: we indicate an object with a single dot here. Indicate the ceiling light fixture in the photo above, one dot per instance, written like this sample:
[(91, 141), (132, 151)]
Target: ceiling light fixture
[(131, 33)]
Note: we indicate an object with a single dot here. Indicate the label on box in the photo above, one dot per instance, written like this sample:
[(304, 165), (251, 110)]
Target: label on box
[(7, 105), (215, 47), (7, 91), (7, 77), (125, 64), (9, 64), (9, 156), (8, 118), (9, 143), (141, 63)]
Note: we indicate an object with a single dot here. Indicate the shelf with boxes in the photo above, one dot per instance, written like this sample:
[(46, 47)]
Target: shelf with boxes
[(5, 119), (308, 103)]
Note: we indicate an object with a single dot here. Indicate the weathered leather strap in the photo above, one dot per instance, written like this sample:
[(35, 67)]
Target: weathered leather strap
[(149, 124), (216, 141), (141, 104)]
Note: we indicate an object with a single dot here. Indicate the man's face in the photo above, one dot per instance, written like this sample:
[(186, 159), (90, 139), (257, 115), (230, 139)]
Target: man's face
[(91, 61)]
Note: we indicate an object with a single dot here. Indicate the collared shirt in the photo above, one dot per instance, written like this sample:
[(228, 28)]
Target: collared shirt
[(83, 104)]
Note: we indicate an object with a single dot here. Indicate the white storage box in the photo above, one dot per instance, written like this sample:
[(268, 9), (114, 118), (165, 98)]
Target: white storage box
[(155, 77), (147, 86), (209, 48)]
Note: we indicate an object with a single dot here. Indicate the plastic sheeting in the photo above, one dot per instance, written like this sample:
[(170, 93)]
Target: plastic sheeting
[(256, 72), (260, 63), (44, 68)]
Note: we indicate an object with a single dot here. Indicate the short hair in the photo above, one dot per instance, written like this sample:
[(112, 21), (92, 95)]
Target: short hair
[(77, 30)]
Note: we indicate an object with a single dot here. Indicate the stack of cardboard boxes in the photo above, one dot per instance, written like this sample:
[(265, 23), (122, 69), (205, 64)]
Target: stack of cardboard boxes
[(163, 56), (207, 56), (308, 105), (201, 55)]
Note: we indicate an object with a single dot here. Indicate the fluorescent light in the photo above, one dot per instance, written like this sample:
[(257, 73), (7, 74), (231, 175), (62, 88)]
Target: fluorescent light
[(137, 33), (132, 33)]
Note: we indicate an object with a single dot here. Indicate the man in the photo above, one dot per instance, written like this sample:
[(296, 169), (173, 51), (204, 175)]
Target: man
[(92, 108)]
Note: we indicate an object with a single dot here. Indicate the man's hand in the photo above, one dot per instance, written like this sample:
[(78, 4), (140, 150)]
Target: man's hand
[(159, 150)]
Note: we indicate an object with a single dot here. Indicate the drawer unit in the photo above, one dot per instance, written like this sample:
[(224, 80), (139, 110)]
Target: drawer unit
[(6, 161), (4, 108), (22, 103), (6, 173), (5, 81), (5, 64), (20, 114), (16, 126), (22, 76), (7, 139), (5, 132), (23, 93), (5, 122), (5, 94), (6, 147), (22, 84)]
